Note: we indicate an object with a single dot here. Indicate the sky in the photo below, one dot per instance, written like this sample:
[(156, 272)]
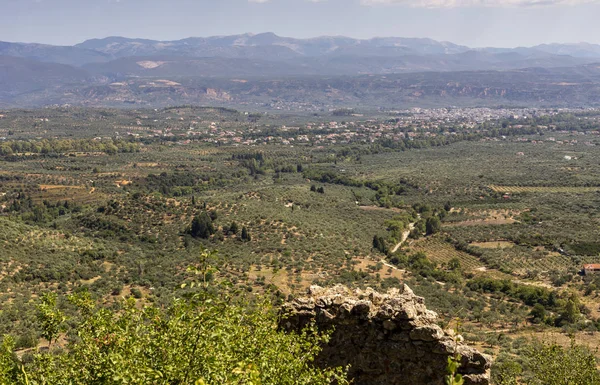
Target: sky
[(476, 23)]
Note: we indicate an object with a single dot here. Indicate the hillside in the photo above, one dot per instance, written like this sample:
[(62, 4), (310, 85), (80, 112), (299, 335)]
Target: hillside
[(177, 66), (558, 87), (74, 56), (22, 76)]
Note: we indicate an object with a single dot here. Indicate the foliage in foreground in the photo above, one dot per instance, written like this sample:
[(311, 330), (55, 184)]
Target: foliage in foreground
[(555, 365), (550, 364), (197, 341)]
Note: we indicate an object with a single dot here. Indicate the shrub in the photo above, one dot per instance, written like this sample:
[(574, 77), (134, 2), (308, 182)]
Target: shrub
[(552, 364), (136, 293), (202, 226), (205, 339)]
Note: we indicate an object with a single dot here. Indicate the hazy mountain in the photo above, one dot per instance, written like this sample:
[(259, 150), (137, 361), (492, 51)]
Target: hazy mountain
[(586, 50), (254, 69), (411, 54), (21, 76), (54, 54), (351, 63), (549, 87), (178, 66), (577, 50), (232, 45)]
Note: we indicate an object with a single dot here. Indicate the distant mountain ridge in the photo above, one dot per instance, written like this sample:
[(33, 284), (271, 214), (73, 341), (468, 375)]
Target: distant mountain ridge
[(74, 56), (21, 76), (575, 50), (229, 45), (318, 46), (411, 54), (118, 70)]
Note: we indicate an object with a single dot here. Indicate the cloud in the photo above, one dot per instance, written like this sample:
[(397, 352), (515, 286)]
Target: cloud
[(476, 3)]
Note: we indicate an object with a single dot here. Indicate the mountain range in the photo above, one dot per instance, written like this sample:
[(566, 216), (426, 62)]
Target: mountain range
[(43, 73), (270, 47)]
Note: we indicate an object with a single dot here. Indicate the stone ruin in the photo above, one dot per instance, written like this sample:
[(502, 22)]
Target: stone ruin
[(385, 338)]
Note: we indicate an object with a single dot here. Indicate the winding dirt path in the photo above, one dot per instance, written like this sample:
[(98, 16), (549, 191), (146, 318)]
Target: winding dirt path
[(405, 235), (387, 264)]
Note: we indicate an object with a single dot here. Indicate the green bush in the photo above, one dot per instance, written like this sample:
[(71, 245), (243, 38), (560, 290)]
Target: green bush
[(555, 365), (201, 340)]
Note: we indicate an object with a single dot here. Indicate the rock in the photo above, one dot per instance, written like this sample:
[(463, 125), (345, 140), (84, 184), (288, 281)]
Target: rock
[(385, 338), (362, 308), (324, 302), (407, 290), (389, 325), (304, 303), (324, 316), (427, 333)]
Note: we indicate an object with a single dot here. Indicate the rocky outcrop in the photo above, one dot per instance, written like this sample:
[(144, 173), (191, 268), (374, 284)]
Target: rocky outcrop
[(385, 338)]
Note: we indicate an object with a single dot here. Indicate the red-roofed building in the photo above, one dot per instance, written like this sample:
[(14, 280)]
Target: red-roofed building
[(591, 268)]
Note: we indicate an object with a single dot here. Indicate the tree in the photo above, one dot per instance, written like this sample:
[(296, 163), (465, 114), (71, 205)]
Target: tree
[(376, 245), (538, 313), (202, 226), (246, 235), (454, 264), (313, 188), (380, 244), (433, 225), (590, 289), (5, 149), (39, 214), (506, 373), (233, 229), (50, 317), (571, 312)]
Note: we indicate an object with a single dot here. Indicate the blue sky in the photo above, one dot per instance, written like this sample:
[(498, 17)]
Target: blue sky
[(477, 23)]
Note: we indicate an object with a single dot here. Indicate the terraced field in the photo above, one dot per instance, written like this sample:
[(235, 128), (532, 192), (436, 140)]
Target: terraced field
[(543, 189), (522, 260), (441, 252)]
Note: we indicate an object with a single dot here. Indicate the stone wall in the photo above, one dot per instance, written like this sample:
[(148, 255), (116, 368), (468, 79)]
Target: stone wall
[(385, 338)]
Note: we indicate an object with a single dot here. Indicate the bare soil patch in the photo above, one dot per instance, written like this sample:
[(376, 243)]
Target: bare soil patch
[(494, 244)]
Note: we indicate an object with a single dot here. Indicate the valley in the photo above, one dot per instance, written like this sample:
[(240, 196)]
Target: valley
[(489, 214)]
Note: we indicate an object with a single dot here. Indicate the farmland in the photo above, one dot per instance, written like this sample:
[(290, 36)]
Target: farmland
[(542, 189), (119, 202)]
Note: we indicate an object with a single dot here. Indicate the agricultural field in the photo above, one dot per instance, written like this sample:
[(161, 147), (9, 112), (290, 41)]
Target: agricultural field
[(485, 221), (442, 253), (543, 189)]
